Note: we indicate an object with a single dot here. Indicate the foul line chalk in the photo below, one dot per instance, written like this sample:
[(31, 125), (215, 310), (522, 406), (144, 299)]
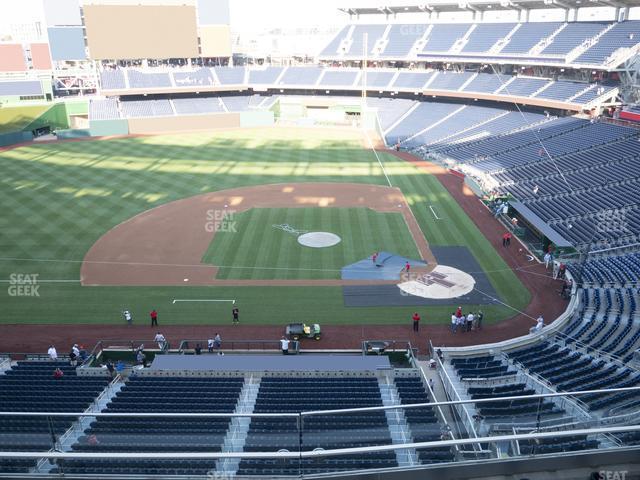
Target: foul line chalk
[(175, 300)]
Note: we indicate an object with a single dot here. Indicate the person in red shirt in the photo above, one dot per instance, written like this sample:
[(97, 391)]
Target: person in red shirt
[(374, 257), (407, 267), (154, 318), (459, 312), (505, 236), (58, 374), (416, 322)]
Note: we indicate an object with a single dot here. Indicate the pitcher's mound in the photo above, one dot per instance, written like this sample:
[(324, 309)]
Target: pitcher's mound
[(319, 239)]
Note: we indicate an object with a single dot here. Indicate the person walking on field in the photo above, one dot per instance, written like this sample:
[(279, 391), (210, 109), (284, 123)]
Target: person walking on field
[(236, 315), (416, 322), (407, 267), (154, 318)]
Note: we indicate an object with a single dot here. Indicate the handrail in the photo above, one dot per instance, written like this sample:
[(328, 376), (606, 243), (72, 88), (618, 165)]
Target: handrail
[(599, 353), (226, 345), (318, 412), (320, 452), (578, 404), (432, 395), (469, 423)]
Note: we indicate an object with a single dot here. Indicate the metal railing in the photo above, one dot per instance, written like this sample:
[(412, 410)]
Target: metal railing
[(319, 453), (452, 392), (594, 430), (231, 345)]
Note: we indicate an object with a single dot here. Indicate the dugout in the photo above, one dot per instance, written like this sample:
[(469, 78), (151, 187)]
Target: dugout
[(535, 232)]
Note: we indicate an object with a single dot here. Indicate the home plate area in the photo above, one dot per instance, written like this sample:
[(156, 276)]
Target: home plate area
[(457, 276), (442, 282)]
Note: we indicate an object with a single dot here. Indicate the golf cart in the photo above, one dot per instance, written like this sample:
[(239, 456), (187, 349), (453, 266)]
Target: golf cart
[(300, 330)]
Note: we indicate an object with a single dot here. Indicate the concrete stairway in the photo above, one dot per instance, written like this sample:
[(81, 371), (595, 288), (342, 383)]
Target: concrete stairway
[(239, 427), (78, 427), (398, 427)]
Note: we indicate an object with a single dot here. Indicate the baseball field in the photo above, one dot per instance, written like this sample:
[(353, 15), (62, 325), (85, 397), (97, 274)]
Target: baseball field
[(90, 228)]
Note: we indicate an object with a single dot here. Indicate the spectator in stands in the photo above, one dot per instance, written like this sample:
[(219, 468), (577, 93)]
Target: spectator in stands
[(539, 323), (284, 345), (154, 318), (498, 209), (416, 322), (567, 287), (73, 358), (431, 384), (110, 368), (162, 342), (440, 354), (52, 352), (75, 349), (141, 358), (562, 270), (83, 354), (454, 323), (198, 349), (470, 319), (58, 374)]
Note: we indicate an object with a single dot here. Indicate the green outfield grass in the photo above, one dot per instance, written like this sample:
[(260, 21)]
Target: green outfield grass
[(57, 200), (255, 249)]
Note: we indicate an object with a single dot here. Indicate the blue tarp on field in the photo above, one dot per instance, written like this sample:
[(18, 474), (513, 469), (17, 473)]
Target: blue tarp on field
[(387, 267)]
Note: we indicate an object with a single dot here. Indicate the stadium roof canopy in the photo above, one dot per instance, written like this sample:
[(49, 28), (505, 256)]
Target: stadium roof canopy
[(484, 5)]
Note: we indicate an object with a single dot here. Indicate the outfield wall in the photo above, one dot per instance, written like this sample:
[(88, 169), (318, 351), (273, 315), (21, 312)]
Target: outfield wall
[(108, 128), (257, 118), (12, 138), (151, 125), (73, 133)]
